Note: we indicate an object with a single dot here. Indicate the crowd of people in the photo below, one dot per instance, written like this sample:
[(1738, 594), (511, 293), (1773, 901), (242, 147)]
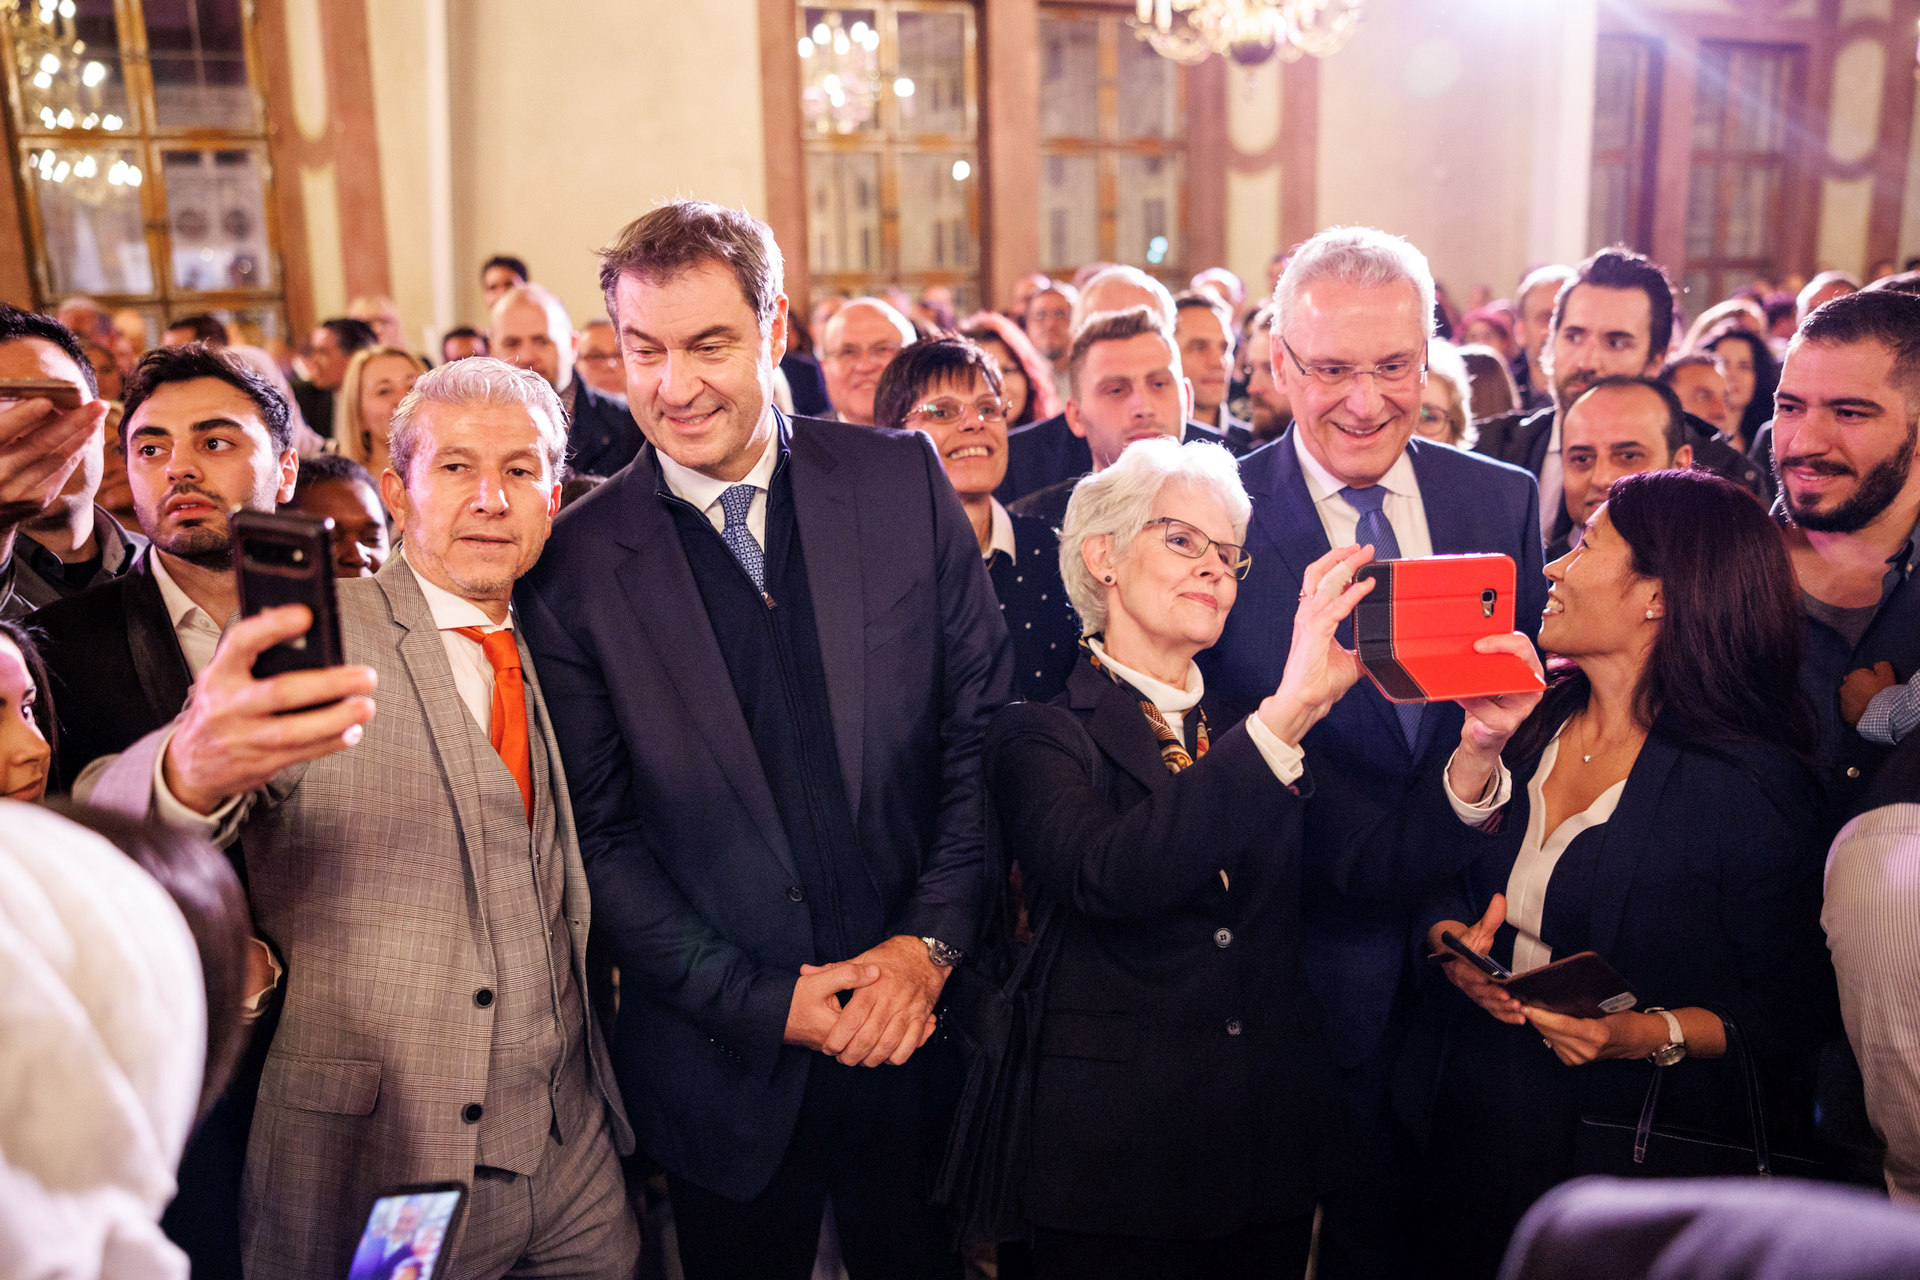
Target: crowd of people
[(929, 753)]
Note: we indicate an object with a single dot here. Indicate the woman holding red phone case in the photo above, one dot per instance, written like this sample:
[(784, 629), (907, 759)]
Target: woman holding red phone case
[(1653, 807)]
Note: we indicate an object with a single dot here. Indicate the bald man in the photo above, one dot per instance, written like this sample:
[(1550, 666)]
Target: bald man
[(860, 341), (1048, 453), (531, 330)]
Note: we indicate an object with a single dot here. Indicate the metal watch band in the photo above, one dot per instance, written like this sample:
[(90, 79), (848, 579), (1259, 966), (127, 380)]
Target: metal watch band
[(942, 955)]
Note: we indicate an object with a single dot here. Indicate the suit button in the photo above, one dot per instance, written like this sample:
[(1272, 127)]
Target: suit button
[(796, 894), (483, 997), (472, 1112), (1853, 771), (1233, 1026), (1223, 937)]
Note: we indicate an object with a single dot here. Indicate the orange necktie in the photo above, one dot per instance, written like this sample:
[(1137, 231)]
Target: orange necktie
[(509, 731)]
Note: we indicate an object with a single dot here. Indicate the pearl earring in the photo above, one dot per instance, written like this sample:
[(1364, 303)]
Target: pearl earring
[(1649, 615), (1109, 578)]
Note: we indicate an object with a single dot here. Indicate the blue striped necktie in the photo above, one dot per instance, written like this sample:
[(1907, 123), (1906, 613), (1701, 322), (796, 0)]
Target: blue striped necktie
[(1376, 531)]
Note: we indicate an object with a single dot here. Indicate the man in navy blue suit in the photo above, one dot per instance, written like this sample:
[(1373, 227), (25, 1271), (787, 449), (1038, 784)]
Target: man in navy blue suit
[(1351, 319), (770, 649)]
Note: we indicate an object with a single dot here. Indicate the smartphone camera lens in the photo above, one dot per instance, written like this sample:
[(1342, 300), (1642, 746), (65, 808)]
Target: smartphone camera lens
[(1487, 598)]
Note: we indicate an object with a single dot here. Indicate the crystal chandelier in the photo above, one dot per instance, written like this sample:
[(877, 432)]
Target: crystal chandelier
[(1247, 31)]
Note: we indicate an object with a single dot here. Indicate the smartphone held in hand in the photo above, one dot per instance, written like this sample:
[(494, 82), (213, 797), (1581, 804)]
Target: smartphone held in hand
[(288, 559), (64, 395), (1415, 631)]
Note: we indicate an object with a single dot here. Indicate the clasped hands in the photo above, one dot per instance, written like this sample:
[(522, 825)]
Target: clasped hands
[(1575, 1041), (889, 1015)]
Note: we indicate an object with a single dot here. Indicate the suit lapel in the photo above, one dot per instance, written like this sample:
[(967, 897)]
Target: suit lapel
[(1627, 835), (668, 610), (1117, 725), (158, 665), (828, 514)]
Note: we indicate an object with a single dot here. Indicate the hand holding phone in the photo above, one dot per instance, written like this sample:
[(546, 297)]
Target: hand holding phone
[(45, 432), (1417, 633)]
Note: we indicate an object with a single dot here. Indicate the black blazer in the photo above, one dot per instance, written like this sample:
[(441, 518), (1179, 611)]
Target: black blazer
[(1050, 503), (114, 666), (1033, 600), (1706, 891), (1047, 452), (696, 895), (603, 437), (1184, 1089)]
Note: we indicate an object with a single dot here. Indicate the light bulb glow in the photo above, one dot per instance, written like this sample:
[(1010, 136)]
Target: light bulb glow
[(962, 171), (820, 33), (65, 119), (111, 122), (806, 47), (49, 64), (903, 88), (93, 74), (41, 80)]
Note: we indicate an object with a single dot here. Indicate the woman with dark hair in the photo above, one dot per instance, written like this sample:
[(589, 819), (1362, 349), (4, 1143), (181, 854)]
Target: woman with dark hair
[(1751, 376), (1025, 377), (1654, 807), (951, 389), (26, 716)]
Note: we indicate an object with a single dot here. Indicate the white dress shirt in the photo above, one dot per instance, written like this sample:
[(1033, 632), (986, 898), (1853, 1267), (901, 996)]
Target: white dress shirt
[(195, 629), (1403, 507), (1000, 533), (1173, 705), (702, 492), (1552, 482), (1872, 919)]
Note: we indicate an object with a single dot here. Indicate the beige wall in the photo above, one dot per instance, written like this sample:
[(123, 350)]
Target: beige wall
[(1431, 122), (565, 122)]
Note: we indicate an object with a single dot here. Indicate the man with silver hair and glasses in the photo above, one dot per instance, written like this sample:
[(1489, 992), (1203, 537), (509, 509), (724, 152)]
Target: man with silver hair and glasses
[(418, 873), (1048, 452), (1352, 317)]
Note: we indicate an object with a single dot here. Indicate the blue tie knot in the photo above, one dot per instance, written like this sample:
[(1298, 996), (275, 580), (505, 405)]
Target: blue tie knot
[(735, 502), (1365, 501)]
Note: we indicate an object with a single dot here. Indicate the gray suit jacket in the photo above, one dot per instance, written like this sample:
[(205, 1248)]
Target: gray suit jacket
[(365, 872)]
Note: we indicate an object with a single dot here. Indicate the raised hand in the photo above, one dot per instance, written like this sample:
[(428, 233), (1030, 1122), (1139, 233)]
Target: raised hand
[(1479, 988), (238, 732), (1319, 668), (41, 445), (1490, 722)]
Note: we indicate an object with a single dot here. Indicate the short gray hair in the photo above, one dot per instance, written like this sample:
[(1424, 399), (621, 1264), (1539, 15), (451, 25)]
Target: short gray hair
[(479, 381), (1358, 256), (1083, 309), (1119, 501)]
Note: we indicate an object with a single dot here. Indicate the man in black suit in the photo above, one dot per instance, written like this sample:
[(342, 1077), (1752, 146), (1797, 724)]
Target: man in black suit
[(1620, 426), (1049, 451), (1352, 317), (531, 329), (1613, 318), (55, 541), (331, 347), (1129, 364), (204, 435), (770, 648)]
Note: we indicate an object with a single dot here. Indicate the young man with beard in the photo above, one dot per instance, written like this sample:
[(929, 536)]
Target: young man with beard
[(1847, 417), (204, 435)]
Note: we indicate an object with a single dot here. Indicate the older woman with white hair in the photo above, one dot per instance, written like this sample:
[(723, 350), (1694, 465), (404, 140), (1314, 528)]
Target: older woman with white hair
[(1182, 1105)]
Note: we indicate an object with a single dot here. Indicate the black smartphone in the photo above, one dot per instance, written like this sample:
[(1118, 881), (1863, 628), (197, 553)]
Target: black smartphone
[(1485, 964), (406, 1231), (288, 559)]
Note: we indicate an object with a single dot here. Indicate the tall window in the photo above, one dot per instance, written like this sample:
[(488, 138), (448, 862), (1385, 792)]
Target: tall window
[(889, 108), (141, 144), (1745, 103), (1112, 147), (1627, 71)]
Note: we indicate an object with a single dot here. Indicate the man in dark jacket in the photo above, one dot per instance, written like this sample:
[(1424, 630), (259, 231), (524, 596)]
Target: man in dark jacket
[(531, 329)]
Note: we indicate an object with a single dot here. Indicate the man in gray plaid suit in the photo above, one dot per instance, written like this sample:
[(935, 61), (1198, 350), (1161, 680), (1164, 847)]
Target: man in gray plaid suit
[(419, 874)]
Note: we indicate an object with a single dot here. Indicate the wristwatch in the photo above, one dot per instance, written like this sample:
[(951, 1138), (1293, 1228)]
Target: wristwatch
[(1676, 1046), (942, 955)]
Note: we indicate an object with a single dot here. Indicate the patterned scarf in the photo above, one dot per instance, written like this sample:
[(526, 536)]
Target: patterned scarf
[(1172, 750)]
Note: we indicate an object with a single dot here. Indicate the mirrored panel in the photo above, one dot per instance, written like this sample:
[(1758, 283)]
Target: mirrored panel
[(930, 84), (1149, 98), (1069, 78), (1149, 223), (66, 65), (839, 71), (198, 53), (1069, 211), (936, 212), (88, 200), (216, 209), (843, 211)]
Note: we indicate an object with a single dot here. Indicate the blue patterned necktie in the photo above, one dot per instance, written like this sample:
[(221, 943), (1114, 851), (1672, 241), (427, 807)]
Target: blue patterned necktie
[(1375, 531), (736, 501)]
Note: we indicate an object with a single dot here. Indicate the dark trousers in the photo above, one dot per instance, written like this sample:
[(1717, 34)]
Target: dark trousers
[(869, 1138), (1366, 1216), (1270, 1252)]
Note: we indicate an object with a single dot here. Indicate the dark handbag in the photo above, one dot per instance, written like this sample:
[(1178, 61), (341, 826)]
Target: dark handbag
[(1649, 1149)]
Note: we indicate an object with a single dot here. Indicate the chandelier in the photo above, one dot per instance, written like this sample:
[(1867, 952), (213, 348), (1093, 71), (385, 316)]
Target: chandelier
[(1247, 31)]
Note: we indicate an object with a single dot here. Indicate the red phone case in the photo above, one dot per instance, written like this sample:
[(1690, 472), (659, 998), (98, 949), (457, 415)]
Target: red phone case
[(1415, 630)]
